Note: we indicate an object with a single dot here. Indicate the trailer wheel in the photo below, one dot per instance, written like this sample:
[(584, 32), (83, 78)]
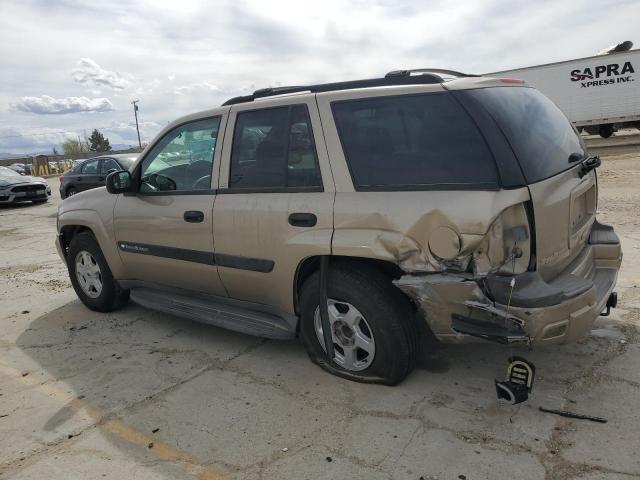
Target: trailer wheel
[(605, 131)]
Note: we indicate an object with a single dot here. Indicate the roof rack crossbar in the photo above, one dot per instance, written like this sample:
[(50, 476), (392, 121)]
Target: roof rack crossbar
[(426, 78), (407, 73)]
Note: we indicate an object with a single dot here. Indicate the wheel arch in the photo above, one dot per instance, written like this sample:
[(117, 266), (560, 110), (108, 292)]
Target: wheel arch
[(309, 265), (74, 222), (68, 232)]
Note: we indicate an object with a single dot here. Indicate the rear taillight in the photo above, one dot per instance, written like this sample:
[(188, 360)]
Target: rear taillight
[(506, 248), (61, 178)]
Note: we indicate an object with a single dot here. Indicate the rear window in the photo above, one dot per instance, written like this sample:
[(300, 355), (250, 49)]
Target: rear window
[(413, 142), (540, 135)]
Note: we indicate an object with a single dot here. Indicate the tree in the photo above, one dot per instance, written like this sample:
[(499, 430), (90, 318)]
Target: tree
[(98, 143), (74, 147)]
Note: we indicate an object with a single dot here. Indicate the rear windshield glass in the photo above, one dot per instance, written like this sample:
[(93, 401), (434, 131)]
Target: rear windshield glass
[(541, 136), (413, 142)]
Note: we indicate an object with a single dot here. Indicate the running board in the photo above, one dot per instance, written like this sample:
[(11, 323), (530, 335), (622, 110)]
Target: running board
[(488, 330), (221, 312)]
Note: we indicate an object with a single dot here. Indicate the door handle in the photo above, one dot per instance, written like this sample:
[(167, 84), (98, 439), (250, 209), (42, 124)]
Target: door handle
[(303, 220), (193, 216)]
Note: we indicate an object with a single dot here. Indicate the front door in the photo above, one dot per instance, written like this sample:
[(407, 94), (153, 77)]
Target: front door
[(275, 203), (165, 231), (89, 175)]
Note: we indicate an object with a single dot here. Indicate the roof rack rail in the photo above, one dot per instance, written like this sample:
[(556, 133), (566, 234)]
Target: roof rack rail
[(430, 77), (407, 73)]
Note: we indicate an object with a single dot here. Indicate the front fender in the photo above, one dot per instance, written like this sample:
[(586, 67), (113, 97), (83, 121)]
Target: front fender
[(93, 209)]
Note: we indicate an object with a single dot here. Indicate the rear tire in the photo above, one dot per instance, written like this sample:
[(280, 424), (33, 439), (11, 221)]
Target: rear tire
[(389, 321), (70, 192), (91, 276), (605, 131)]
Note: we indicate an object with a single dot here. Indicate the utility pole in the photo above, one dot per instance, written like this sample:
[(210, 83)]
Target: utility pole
[(135, 112)]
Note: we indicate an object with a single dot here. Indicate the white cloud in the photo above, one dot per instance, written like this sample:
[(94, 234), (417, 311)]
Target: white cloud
[(127, 131), (38, 139), (178, 58), (46, 105), (88, 72), (205, 87)]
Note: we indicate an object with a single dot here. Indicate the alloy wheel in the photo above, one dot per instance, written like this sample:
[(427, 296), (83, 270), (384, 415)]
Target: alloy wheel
[(353, 342)]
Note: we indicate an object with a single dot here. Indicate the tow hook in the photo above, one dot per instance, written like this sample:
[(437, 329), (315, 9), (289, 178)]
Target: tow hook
[(612, 302)]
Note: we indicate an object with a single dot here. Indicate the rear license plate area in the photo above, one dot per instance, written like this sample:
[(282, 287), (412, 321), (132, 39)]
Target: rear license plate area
[(582, 213)]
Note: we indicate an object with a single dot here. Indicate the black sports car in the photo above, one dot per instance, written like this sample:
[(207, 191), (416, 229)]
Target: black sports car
[(15, 187)]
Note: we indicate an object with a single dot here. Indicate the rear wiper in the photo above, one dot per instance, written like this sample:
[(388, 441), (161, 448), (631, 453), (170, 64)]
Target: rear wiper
[(589, 164)]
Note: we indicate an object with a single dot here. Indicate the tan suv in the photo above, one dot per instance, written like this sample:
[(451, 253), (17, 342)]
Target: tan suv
[(347, 214)]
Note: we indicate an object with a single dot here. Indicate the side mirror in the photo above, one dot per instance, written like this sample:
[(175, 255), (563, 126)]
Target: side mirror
[(119, 182)]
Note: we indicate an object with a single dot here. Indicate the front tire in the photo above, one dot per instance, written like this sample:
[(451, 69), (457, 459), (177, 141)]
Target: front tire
[(373, 325), (91, 276)]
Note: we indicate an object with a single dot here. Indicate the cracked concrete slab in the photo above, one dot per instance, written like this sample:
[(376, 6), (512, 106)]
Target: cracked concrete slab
[(93, 455)]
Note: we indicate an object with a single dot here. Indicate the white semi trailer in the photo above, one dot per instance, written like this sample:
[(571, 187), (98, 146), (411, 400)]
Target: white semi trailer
[(598, 94)]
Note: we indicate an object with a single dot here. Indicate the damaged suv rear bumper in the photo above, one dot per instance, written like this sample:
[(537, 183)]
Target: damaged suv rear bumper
[(459, 307)]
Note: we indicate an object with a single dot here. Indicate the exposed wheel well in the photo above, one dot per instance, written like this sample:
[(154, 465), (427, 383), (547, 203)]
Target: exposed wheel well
[(68, 232), (309, 265)]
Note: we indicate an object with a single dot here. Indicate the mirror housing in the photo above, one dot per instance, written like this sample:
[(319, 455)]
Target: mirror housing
[(119, 182)]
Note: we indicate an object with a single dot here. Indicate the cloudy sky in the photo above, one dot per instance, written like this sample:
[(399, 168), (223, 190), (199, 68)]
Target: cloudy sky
[(69, 66)]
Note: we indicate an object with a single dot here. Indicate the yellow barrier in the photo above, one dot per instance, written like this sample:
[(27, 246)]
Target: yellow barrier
[(42, 167)]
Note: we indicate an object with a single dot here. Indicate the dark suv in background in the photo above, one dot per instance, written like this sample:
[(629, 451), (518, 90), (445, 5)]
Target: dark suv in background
[(92, 173)]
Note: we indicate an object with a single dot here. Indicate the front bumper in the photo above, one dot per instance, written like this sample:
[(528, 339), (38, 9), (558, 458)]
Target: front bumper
[(9, 196), (545, 312)]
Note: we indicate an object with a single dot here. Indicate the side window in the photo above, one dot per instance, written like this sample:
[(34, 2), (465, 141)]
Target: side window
[(90, 167), (108, 164), (274, 148), (183, 159), (413, 141)]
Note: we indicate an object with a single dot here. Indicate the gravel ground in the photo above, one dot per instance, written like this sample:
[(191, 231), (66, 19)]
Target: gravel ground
[(137, 394)]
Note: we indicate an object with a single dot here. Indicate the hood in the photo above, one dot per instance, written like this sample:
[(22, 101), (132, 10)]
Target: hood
[(87, 199), (6, 180)]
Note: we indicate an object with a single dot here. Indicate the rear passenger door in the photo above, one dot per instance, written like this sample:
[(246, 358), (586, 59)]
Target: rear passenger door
[(275, 202)]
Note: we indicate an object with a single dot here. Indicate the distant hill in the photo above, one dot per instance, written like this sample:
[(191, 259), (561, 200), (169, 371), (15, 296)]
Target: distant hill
[(30, 154), (115, 147)]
